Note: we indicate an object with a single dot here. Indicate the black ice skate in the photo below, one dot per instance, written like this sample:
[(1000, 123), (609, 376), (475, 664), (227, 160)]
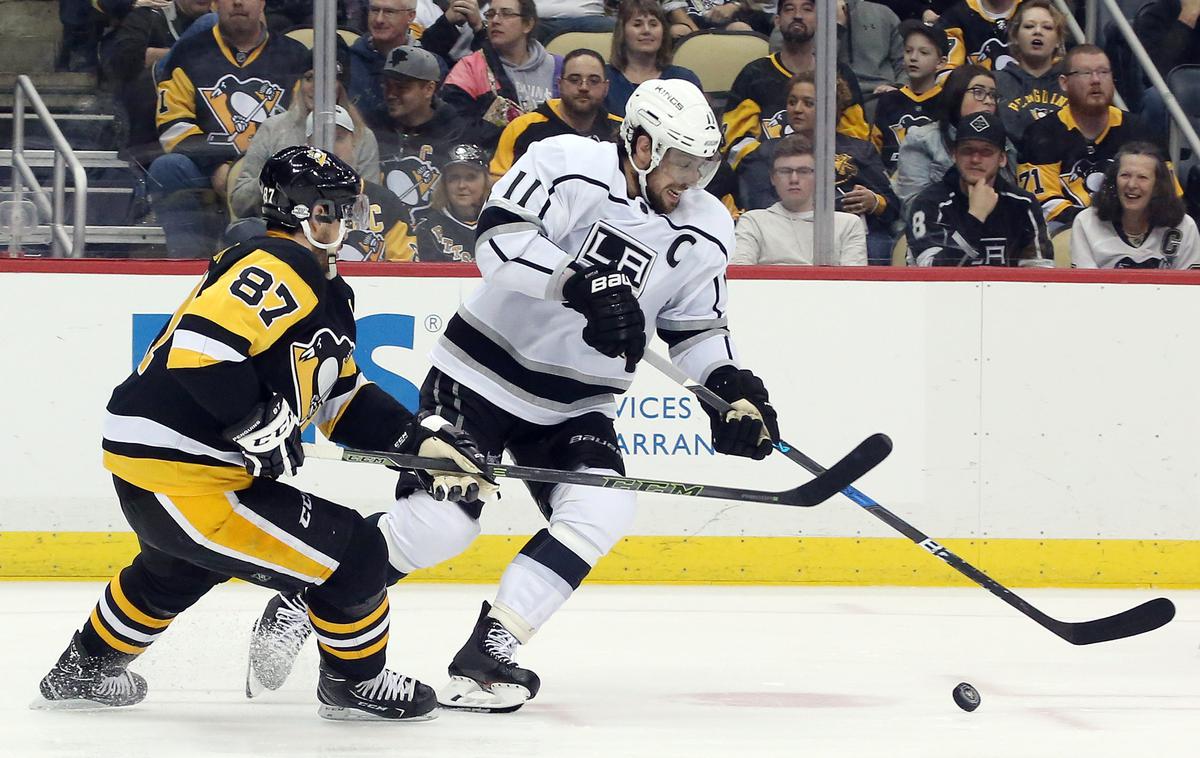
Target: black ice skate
[(483, 676), (80, 681), (275, 642), (387, 697)]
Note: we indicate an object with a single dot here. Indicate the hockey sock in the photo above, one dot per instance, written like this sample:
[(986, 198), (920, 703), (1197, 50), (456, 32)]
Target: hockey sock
[(353, 640), (539, 580), (123, 624)]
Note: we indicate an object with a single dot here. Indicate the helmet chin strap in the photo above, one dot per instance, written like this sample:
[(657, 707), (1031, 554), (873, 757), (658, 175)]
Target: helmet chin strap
[(330, 248)]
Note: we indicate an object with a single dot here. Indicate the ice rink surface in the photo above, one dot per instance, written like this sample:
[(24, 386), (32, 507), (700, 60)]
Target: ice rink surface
[(655, 671)]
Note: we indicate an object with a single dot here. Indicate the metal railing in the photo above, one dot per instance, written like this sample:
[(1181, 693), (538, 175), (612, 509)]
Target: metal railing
[(50, 204)]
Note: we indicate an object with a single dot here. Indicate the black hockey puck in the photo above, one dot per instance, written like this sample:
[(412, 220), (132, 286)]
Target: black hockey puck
[(966, 696)]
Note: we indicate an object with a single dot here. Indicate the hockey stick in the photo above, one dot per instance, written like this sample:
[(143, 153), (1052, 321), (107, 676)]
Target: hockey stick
[(860, 460), (1146, 617)]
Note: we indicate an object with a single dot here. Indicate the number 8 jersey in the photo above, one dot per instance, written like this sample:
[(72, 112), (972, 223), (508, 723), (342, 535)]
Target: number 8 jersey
[(262, 319)]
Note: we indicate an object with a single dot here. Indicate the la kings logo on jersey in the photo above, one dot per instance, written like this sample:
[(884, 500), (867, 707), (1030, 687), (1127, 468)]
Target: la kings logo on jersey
[(606, 245)]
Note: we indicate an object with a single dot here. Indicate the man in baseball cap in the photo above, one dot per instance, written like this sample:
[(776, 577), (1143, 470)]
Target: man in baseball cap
[(974, 217)]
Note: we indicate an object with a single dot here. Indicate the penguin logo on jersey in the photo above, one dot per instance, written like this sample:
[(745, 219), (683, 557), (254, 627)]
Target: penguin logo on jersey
[(608, 246), (316, 365), (776, 126), (1084, 179), (411, 179), (906, 122), (994, 50), (240, 106)]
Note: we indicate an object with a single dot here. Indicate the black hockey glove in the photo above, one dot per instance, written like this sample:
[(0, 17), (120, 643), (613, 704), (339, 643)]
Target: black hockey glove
[(269, 438), (750, 429), (616, 325), (433, 437)]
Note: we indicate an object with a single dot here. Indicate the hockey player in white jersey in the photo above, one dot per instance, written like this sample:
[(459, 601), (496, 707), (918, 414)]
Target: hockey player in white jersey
[(583, 246)]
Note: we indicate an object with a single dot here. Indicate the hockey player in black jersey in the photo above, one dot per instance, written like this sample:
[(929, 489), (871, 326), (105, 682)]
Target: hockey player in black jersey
[(584, 247), (197, 437), (974, 217)]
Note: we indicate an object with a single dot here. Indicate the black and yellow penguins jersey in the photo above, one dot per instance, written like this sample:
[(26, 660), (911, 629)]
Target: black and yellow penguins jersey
[(545, 121), (977, 35), (757, 107), (1062, 168), (389, 236), (409, 157), (441, 238), (263, 319), (898, 111), (212, 99)]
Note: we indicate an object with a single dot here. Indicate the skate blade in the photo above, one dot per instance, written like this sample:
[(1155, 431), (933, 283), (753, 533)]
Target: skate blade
[(254, 685), (72, 704), (463, 694), (337, 713)]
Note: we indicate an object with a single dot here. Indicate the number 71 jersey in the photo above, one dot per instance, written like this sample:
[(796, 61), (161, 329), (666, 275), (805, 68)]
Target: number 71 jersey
[(263, 318)]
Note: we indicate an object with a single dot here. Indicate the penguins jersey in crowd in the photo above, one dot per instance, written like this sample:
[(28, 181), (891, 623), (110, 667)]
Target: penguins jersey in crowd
[(757, 108), (389, 237), (441, 238), (545, 121), (1062, 168), (263, 315), (1102, 244), (898, 111), (565, 205), (408, 158), (942, 232), (977, 35), (212, 99)]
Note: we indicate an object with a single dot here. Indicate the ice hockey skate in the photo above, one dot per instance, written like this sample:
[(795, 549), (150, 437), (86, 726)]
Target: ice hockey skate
[(80, 681), (388, 697), (276, 640), (483, 676)]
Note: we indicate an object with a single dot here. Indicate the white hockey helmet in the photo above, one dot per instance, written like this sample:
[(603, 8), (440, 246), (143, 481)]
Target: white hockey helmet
[(674, 114)]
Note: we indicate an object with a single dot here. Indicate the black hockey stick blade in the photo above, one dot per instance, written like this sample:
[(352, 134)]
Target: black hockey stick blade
[(867, 455), (1146, 617)]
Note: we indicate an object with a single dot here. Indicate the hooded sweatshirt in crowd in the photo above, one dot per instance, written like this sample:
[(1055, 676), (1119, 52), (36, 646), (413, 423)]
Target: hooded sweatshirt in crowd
[(871, 45), (1024, 98)]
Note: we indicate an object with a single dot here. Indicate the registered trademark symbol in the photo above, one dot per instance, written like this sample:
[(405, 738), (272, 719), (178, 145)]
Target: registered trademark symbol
[(433, 323)]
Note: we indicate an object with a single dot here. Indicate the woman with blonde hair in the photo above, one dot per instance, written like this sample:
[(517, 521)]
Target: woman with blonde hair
[(446, 229), (1136, 219), (1028, 87), (641, 50), (278, 132)]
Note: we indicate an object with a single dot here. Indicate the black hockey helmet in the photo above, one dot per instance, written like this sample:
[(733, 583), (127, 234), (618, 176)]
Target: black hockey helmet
[(297, 178)]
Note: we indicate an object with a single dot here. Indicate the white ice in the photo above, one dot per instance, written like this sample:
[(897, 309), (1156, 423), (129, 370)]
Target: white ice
[(655, 671)]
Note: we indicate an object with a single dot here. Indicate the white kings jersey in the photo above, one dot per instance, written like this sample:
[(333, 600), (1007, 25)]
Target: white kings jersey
[(1096, 244), (561, 208)]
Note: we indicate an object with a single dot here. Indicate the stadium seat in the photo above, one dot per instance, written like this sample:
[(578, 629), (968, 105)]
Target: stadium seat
[(561, 44), (717, 57), (1062, 248), (900, 251), (304, 35)]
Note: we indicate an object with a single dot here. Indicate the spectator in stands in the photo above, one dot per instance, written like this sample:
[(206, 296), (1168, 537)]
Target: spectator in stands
[(978, 32), (580, 110), (783, 233), (860, 182), (455, 33), (974, 216), (557, 17), (915, 104), (446, 229), (220, 86), (869, 42), (641, 51), (142, 39), (757, 110), (389, 25), (420, 126), (690, 16), (1137, 219), (926, 152), (1169, 31), (1064, 156), (289, 128), (514, 75), (1028, 87)]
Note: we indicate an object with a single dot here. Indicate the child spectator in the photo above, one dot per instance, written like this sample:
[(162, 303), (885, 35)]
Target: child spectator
[(915, 104)]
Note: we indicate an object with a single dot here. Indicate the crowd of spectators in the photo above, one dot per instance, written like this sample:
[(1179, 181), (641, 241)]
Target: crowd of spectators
[(968, 131)]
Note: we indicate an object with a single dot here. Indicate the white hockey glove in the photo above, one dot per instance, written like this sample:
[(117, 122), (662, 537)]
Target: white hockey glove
[(432, 436), (269, 438)]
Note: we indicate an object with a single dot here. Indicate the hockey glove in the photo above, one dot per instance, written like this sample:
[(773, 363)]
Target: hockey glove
[(616, 325), (750, 429), (433, 437), (269, 438)]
